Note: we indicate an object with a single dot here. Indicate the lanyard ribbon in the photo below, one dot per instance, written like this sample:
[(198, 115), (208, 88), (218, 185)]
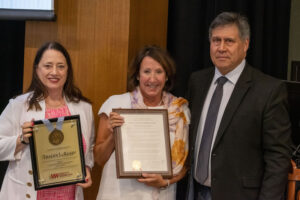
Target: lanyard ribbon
[(50, 127)]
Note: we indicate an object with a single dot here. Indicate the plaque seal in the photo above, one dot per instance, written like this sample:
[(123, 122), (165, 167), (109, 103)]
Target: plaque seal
[(56, 137)]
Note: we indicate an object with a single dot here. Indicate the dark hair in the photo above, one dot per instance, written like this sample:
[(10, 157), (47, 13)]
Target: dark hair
[(71, 92), (228, 18), (159, 55)]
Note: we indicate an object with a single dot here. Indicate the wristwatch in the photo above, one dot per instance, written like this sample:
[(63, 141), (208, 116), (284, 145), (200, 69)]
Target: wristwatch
[(22, 139)]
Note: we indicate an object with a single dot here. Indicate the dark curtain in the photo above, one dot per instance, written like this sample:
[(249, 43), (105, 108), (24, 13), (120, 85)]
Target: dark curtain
[(188, 34), (11, 55)]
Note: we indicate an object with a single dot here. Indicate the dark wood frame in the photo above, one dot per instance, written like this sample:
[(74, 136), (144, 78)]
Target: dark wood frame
[(121, 173), (37, 184)]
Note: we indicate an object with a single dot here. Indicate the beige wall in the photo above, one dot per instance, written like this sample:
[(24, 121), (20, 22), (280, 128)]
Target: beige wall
[(101, 36)]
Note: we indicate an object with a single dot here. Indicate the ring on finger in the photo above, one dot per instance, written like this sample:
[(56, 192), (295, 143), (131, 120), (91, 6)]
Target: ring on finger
[(22, 139)]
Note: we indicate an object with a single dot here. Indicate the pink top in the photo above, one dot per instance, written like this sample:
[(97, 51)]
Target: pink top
[(63, 192)]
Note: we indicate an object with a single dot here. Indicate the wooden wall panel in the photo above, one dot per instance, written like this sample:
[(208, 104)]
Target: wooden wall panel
[(93, 32), (148, 24), (101, 36)]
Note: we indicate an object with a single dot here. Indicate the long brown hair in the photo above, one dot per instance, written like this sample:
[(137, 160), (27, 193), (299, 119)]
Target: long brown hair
[(38, 89)]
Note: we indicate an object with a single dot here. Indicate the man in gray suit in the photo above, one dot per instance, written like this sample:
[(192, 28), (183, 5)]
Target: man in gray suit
[(240, 129)]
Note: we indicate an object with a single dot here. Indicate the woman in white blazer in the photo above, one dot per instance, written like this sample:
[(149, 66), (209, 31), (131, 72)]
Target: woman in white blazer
[(52, 93)]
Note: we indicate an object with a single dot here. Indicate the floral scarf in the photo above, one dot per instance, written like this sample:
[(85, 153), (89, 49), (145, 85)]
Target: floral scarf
[(179, 118)]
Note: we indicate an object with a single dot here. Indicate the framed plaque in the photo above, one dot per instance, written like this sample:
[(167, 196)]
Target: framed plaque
[(57, 152), (142, 143)]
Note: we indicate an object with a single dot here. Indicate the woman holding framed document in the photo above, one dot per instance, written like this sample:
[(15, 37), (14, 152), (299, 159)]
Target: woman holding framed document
[(51, 94), (151, 77)]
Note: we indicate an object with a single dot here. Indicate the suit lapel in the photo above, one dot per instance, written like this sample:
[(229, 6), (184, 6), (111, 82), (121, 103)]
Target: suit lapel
[(239, 92)]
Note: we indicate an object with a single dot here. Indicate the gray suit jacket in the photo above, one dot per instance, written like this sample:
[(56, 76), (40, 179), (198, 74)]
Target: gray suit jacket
[(251, 154)]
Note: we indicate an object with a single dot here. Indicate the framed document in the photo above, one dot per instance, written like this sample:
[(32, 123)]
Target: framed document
[(57, 152), (142, 143)]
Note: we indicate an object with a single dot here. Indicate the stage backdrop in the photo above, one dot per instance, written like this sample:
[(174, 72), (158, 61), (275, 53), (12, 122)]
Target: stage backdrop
[(188, 34)]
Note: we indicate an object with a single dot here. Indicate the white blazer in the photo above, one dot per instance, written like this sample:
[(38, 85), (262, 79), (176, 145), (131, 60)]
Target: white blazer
[(18, 181)]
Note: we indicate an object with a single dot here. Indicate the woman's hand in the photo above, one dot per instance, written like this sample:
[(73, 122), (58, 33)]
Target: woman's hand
[(104, 144), (115, 120), (88, 179), (23, 139), (154, 180), (26, 131)]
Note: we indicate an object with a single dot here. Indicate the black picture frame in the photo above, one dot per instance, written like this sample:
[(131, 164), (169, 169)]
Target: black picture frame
[(35, 156)]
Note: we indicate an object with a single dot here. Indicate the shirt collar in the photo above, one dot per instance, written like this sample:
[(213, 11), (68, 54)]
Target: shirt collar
[(232, 76)]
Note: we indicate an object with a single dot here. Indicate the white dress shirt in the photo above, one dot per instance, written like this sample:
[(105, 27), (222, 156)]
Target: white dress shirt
[(228, 87)]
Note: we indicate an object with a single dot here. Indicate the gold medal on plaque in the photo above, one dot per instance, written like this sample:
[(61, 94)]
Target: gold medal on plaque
[(56, 137)]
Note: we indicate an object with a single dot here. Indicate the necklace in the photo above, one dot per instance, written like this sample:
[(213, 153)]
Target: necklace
[(55, 104), (159, 104)]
